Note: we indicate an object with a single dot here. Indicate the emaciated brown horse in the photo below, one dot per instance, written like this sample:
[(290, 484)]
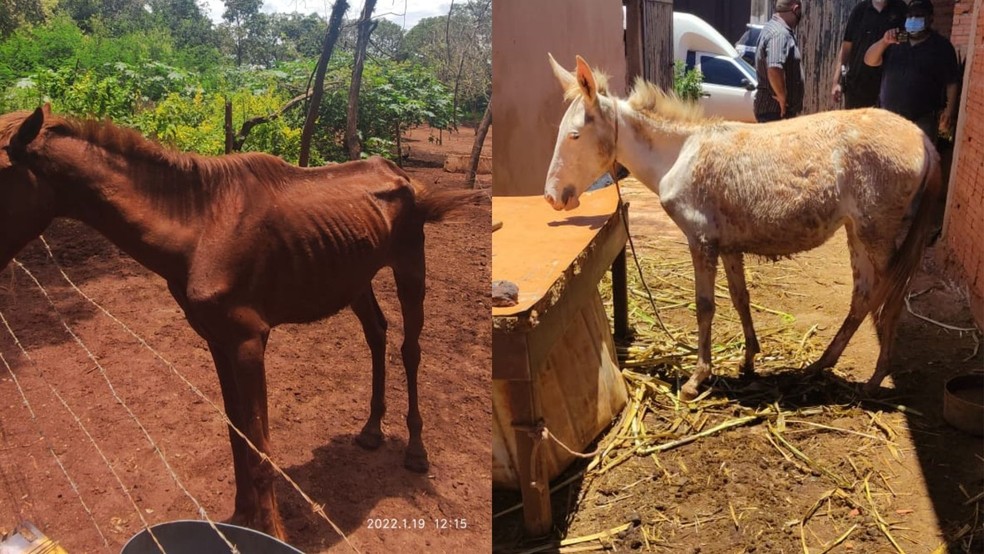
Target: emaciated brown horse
[(245, 242)]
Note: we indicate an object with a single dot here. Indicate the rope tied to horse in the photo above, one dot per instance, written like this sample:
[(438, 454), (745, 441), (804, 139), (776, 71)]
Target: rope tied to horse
[(635, 257)]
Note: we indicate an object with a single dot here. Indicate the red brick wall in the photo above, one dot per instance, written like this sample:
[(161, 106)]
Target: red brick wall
[(964, 225), (963, 20)]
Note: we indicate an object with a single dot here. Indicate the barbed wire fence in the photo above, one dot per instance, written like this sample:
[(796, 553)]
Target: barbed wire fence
[(40, 372)]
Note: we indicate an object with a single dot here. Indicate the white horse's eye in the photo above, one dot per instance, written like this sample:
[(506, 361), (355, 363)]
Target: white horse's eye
[(575, 135)]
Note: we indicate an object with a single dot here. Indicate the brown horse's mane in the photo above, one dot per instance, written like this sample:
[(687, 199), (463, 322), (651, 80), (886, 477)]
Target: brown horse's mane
[(213, 171), (651, 101)]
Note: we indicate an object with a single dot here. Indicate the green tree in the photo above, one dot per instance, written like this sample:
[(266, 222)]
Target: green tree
[(298, 35), (459, 51), (188, 25), (386, 40), (14, 13), (245, 26)]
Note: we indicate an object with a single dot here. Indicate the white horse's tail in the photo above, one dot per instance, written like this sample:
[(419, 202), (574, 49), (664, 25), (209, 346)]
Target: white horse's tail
[(923, 207)]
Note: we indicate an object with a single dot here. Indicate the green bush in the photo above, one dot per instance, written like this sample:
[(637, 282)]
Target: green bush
[(686, 84), (174, 95)]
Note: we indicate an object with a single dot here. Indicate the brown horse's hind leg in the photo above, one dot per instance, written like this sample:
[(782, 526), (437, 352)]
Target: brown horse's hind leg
[(734, 269), (409, 275), (373, 321), (705, 267)]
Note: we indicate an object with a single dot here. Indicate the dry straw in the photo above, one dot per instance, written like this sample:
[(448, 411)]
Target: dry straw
[(655, 421)]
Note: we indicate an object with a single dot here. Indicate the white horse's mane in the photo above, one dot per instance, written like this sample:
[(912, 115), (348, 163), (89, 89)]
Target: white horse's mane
[(649, 99)]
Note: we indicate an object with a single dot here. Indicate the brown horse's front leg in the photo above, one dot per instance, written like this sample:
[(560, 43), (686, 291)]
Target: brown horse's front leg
[(705, 268), (246, 501), (374, 326), (240, 336)]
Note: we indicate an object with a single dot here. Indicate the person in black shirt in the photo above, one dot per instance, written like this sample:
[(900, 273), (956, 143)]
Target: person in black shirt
[(854, 81), (920, 77)]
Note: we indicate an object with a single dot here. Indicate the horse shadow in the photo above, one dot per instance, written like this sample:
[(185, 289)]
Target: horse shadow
[(593, 222), (83, 255), (349, 482)]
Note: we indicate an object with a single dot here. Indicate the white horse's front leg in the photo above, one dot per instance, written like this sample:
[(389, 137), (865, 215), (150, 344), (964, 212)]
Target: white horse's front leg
[(734, 268), (705, 268)]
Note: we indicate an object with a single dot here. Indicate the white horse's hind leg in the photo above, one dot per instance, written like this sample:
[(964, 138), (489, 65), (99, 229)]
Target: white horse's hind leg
[(734, 269), (705, 268), (886, 321), (865, 281)]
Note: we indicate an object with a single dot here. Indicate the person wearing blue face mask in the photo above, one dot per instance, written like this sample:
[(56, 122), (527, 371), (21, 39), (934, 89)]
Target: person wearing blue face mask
[(921, 75)]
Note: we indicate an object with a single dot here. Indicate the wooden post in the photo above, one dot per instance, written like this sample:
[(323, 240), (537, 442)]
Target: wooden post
[(620, 290), (633, 40), (533, 482)]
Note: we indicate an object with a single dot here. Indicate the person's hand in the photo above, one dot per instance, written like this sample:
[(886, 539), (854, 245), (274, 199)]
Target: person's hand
[(837, 92), (782, 104), (946, 123), (891, 36)]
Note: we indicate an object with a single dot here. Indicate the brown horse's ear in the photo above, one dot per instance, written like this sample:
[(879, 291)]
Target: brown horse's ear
[(46, 109), (27, 132), (586, 80)]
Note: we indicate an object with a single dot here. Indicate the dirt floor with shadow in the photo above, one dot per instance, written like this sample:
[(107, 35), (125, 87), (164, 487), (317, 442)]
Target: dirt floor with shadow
[(855, 474)]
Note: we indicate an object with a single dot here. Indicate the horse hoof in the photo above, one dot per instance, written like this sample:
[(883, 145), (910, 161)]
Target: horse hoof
[(746, 370), (688, 392), (871, 389), (369, 441), (416, 462)]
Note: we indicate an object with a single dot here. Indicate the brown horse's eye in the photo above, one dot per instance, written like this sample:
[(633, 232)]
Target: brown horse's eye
[(575, 135)]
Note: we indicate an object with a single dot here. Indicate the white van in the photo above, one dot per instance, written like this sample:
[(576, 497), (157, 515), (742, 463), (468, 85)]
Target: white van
[(729, 81)]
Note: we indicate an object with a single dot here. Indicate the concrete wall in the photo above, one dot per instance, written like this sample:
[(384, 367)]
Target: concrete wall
[(963, 226), (527, 101)]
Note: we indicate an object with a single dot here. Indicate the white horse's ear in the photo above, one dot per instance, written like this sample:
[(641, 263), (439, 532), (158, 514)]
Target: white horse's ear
[(566, 78), (586, 80)]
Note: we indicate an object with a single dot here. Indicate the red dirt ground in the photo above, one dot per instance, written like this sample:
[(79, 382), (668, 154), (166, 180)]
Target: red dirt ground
[(319, 387)]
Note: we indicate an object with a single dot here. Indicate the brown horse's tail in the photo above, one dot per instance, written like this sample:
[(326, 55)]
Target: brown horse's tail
[(433, 204), (923, 208)]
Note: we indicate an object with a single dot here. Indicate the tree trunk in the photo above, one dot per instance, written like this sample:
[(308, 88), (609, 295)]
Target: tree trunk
[(399, 145), (366, 26), (476, 155), (228, 127), (331, 37), (457, 85)]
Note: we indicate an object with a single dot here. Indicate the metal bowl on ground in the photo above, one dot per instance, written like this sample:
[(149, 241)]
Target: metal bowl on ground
[(963, 403), (198, 537)]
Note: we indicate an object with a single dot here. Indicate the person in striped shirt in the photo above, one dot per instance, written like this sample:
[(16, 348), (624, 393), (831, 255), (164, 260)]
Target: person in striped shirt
[(778, 62)]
